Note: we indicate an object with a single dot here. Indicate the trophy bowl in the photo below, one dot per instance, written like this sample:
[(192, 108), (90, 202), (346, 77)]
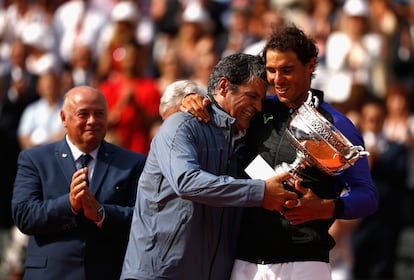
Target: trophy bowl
[(318, 142)]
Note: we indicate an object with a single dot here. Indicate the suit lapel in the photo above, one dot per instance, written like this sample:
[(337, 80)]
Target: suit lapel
[(65, 160), (101, 167)]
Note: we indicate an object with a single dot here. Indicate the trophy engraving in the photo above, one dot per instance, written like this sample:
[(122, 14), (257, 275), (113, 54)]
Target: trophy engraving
[(318, 142)]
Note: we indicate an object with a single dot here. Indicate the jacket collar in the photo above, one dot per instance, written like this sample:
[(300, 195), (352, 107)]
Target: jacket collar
[(221, 118)]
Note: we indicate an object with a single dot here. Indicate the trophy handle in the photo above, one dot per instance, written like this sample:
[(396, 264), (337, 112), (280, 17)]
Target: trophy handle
[(322, 143), (293, 168), (312, 100)]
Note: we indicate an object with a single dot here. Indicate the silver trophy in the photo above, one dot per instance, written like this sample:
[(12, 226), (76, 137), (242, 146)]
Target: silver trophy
[(318, 142)]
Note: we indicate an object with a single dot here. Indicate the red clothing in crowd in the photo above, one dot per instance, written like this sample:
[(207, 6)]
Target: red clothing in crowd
[(133, 108)]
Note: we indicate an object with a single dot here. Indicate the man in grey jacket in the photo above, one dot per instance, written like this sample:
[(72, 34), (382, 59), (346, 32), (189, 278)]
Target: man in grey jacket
[(187, 213)]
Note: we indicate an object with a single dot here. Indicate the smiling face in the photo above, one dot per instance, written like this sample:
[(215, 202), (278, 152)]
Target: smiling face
[(289, 77), (242, 102), (84, 116)]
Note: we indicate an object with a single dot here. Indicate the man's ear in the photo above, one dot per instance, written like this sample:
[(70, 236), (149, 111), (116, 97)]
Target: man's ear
[(312, 65), (223, 86), (63, 118)]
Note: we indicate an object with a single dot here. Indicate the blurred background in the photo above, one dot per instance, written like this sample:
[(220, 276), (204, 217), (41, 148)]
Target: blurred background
[(131, 50)]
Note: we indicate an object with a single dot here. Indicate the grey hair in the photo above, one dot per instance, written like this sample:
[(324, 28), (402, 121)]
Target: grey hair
[(239, 69), (176, 91)]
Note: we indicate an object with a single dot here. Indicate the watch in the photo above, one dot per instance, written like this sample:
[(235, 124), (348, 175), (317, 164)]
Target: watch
[(100, 213)]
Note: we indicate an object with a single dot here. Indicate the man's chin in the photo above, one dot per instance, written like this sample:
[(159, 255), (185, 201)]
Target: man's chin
[(242, 126), (282, 98), (93, 138)]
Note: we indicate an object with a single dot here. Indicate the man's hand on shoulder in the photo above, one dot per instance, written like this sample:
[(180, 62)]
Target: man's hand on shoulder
[(196, 105)]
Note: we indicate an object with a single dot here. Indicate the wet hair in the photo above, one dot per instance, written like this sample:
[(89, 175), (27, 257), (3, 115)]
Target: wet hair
[(290, 38), (239, 69)]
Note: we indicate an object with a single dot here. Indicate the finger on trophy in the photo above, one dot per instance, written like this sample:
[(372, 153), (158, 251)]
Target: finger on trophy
[(290, 203)]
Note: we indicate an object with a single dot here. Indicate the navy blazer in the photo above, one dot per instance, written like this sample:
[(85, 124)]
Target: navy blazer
[(62, 245)]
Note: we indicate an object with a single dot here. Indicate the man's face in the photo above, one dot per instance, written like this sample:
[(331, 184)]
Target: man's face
[(372, 118), (244, 102), (85, 118), (288, 76)]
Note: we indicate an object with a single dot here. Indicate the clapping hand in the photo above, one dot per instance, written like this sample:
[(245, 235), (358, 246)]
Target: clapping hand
[(80, 195)]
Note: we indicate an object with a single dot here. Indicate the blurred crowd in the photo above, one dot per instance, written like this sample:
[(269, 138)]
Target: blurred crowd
[(132, 50)]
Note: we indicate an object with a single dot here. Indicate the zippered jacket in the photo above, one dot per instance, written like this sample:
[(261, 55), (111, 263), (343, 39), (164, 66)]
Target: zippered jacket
[(187, 216)]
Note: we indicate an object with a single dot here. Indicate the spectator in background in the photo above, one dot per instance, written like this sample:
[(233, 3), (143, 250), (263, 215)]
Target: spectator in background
[(120, 31), (237, 36), (133, 102), (42, 11), (375, 239), (16, 92), (399, 120), (40, 123), (80, 70), (207, 58), (171, 98), (384, 20), (292, 10), (77, 22), (399, 128), (342, 255), (168, 67), (354, 54), (255, 26), (351, 107), (401, 51), (165, 16), (14, 19), (78, 217), (40, 41), (174, 93), (270, 19), (319, 23), (194, 24), (17, 15)]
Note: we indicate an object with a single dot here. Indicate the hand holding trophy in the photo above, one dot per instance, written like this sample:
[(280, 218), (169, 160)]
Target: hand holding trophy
[(317, 142)]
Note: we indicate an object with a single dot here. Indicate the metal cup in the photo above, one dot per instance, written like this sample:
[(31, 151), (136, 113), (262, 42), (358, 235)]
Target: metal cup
[(318, 142)]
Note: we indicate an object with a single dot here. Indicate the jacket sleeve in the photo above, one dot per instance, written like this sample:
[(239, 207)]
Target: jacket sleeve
[(190, 160), (119, 207), (32, 212), (360, 198)]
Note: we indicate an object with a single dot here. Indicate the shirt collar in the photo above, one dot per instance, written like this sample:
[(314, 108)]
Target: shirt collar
[(76, 153)]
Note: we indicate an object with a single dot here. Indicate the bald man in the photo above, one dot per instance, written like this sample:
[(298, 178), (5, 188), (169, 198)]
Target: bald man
[(77, 214)]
